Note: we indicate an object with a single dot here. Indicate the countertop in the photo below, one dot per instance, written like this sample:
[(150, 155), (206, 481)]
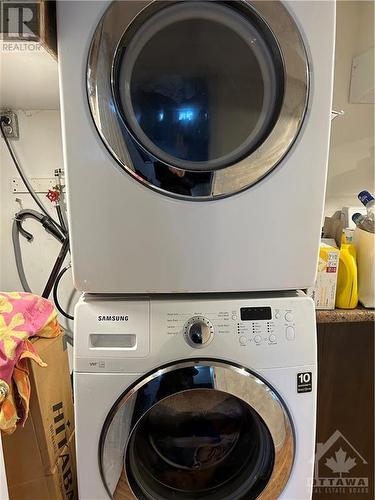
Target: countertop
[(357, 315)]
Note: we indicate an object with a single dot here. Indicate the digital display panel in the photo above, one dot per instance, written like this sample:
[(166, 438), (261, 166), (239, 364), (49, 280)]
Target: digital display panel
[(255, 313)]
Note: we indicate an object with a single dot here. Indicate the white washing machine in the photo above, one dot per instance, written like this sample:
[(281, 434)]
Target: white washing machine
[(195, 140), (202, 397)]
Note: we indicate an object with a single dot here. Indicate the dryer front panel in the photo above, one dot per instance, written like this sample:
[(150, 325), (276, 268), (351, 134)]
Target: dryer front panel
[(201, 99), (198, 429), (135, 220)]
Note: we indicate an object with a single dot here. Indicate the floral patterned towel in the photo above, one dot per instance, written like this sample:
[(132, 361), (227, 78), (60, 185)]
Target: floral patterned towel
[(22, 315)]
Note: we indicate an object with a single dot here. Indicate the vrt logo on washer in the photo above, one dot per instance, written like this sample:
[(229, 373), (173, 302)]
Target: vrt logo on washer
[(112, 317)]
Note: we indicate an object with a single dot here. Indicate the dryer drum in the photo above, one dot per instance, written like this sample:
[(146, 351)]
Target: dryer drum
[(198, 99), (205, 430)]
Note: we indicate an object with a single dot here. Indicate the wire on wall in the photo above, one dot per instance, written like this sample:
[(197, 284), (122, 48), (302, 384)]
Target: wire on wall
[(57, 229)]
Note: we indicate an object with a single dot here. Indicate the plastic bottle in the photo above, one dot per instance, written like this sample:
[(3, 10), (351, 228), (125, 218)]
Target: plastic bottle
[(364, 222), (347, 278), (369, 202), (347, 235)]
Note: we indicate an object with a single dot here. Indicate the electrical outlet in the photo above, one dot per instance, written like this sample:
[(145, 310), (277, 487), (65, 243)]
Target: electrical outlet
[(11, 126)]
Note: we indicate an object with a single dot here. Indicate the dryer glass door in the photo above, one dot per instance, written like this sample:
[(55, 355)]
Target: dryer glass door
[(198, 100), (205, 430), (199, 86)]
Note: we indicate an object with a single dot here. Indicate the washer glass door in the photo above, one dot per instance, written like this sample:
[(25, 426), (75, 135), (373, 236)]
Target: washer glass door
[(204, 430), (198, 99)]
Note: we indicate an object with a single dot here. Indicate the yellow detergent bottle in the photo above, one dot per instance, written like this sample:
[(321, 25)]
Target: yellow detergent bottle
[(347, 278)]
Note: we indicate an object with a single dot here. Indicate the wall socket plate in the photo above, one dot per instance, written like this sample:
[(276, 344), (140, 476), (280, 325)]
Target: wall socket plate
[(11, 129), (39, 184)]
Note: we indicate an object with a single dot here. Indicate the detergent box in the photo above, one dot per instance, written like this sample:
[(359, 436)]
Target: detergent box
[(324, 291), (40, 457)]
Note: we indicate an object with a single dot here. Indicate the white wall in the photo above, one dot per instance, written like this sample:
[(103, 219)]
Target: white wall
[(29, 76), (39, 151), (3, 481), (351, 162)]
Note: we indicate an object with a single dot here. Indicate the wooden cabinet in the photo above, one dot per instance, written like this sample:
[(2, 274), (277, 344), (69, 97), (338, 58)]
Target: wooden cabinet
[(29, 22), (48, 32), (345, 415)]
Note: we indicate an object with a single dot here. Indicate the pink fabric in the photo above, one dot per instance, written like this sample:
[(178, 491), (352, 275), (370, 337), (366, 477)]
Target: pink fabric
[(22, 315)]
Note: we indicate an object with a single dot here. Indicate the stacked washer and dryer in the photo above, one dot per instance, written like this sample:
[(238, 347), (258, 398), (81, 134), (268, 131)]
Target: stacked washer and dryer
[(195, 141)]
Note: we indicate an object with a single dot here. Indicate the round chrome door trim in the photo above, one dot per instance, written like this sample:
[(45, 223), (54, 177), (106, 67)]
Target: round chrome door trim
[(123, 17), (228, 378)]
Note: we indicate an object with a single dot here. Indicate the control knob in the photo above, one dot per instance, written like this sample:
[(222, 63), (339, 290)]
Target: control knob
[(198, 331)]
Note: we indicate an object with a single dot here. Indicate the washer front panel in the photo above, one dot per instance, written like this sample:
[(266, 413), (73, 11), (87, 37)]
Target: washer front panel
[(215, 403), (185, 149)]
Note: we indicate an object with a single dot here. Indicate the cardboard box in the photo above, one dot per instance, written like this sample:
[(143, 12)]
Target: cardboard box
[(324, 291), (40, 458)]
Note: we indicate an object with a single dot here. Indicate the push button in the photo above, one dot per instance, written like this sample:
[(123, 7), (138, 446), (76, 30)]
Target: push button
[(243, 340), (289, 316), (257, 339), (290, 333)]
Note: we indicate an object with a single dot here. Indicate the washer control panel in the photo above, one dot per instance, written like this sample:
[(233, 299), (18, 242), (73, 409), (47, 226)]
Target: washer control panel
[(263, 325), (250, 326), (251, 330), (198, 331)]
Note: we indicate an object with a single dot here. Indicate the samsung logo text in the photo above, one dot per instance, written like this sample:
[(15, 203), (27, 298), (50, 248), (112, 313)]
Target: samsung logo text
[(110, 317)]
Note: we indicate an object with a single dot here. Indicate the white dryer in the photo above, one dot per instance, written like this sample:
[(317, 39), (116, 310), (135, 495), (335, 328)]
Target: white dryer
[(207, 397), (195, 140)]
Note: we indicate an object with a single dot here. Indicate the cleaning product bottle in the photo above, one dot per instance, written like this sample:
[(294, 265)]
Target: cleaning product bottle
[(347, 278), (369, 202), (364, 222)]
